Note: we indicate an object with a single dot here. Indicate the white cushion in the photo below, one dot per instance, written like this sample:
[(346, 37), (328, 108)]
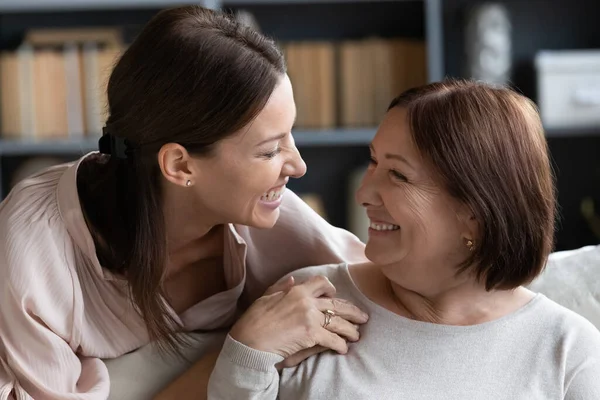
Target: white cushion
[(572, 279)]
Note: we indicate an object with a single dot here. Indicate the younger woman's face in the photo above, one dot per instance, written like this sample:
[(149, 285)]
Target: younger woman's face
[(244, 180)]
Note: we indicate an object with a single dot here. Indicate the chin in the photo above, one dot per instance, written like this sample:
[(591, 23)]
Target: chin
[(381, 256), (264, 221)]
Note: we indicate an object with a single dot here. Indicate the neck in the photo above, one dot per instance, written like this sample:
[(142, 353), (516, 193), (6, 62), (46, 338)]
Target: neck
[(191, 236), (465, 304), (461, 302)]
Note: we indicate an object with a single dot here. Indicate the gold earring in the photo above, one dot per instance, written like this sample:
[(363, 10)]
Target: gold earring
[(188, 183), (470, 245)]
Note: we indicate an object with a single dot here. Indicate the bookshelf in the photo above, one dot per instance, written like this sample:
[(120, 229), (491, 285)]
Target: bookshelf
[(332, 154)]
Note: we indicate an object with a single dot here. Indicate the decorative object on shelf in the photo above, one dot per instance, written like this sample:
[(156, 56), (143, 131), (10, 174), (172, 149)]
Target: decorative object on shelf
[(569, 88), (247, 18), (488, 43)]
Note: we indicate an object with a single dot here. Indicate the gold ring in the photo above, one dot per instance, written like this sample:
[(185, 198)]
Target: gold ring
[(328, 315)]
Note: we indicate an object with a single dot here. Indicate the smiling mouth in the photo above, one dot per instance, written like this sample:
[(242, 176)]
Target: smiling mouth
[(383, 227), (273, 195)]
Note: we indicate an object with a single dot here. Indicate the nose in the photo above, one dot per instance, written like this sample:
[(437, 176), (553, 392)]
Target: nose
[(295, 166), (368, 193)]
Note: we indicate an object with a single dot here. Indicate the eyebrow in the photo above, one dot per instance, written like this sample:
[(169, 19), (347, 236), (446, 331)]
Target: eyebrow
[(278, 137), (390, 156), (272, 139)]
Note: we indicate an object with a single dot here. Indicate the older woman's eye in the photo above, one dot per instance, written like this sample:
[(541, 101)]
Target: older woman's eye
[(372, 161), (397, 175)]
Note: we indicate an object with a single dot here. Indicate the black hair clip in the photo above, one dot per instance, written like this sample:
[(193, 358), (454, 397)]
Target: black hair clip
[(115, 146)]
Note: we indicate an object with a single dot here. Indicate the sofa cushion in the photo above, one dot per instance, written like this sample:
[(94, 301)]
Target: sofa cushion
[(572, 279)]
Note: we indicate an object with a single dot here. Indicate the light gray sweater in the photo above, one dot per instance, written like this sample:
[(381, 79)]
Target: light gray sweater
[(542, 351)]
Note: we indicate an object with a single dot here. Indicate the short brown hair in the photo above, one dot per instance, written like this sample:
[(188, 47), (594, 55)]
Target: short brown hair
[(487, 146)]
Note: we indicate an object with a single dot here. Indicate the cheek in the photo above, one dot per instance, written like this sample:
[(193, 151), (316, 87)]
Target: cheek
[(256, 179), (410, 207)]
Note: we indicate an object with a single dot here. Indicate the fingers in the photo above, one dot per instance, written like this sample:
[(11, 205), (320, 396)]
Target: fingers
[(344, 309), (318, 286), (344, 328), (281, 286), (332, 341), (300, 356)]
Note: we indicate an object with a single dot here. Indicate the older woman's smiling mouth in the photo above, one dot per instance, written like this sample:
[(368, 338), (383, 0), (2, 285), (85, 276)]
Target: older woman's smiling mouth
[(382, 227)]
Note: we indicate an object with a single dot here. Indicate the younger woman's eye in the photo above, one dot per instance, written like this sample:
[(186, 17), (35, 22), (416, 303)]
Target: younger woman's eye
[(372, 161), (271, 154)]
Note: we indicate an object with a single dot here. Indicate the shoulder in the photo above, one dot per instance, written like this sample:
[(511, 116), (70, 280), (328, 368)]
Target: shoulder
[(337, 274), (333, 272), (577, 337), (34, 198), (34, 244)]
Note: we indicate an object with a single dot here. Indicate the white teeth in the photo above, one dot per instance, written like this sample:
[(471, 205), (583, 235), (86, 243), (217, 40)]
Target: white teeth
[(384, 227), (272, 195)]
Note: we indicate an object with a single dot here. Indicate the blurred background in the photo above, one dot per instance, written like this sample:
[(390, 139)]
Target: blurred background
[(347, 59)]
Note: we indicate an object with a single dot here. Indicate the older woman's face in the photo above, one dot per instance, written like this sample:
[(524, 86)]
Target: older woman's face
[(417, 233)]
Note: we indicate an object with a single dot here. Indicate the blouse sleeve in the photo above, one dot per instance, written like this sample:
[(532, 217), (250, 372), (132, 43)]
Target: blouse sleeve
[(38, 323), (300, 238)]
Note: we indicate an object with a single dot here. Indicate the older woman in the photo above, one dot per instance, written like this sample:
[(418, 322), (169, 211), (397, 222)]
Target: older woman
[(461, 201)]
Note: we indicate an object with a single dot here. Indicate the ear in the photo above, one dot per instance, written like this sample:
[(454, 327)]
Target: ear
[(470, 224), (176, 164)]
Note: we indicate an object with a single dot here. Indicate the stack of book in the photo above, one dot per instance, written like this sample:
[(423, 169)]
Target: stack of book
[(54, 85), (351, 83)]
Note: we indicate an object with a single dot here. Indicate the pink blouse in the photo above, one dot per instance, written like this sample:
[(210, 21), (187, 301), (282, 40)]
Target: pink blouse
[(61, 312)]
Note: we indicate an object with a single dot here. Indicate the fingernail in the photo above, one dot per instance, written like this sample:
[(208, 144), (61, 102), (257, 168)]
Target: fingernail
[(365, 316)]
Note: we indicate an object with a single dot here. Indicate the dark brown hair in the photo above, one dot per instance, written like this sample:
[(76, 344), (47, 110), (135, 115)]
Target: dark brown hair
[(488, 149), (193, 76)]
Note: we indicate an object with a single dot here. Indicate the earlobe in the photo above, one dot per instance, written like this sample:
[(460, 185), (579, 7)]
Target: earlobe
[(175, 164), (471, 228)]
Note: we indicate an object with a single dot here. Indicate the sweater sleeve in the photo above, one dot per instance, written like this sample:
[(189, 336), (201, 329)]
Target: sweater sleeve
[(585, 384), (39, 327), (244, 373)]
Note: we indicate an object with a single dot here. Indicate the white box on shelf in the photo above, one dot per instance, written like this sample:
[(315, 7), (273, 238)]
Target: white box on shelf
[(569, 88)]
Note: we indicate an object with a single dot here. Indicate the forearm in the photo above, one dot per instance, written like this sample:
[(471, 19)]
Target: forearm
[(244, 373)]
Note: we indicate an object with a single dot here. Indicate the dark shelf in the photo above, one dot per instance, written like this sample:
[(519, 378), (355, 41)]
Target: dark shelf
[(21, 6), (572, 132), (303, 138), (47, 147), (234, 3), (334, 137)]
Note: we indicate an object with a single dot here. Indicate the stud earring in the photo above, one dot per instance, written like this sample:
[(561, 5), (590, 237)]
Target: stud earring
[(188, 183), (470, 245)]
